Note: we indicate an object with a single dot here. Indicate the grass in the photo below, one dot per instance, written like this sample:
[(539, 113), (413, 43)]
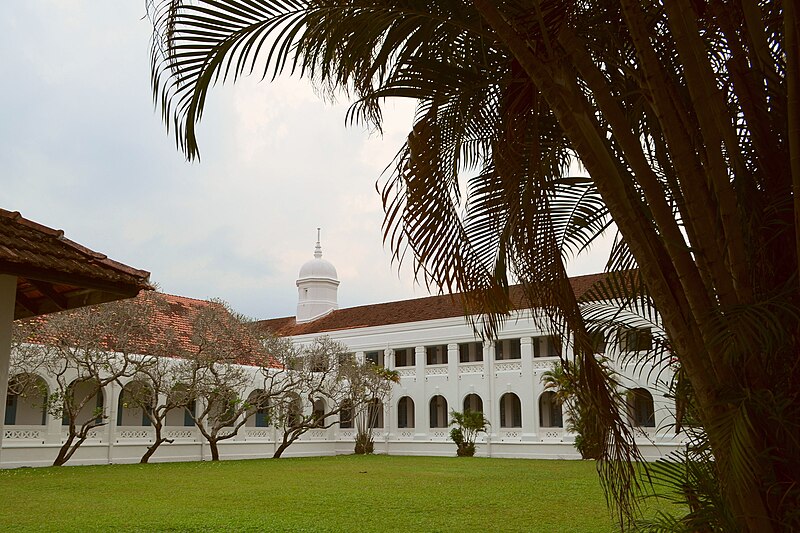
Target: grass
[(344, 493)]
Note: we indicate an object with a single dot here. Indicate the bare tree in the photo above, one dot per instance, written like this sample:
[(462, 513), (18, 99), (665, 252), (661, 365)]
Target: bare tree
[(83, 350), (370, 387), (326, 377), (215, 370), (313, 379), (164, 391)]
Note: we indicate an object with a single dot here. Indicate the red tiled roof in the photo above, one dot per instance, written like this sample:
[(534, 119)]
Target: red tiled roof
[(174, 324), (55, 273), (418, 309), (172, 328)]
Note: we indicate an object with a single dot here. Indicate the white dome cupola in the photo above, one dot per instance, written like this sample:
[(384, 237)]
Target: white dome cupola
[(317, 287)]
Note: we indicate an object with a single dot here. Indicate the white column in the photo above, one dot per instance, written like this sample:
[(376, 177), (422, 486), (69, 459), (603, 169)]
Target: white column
[(420, 405), (452, 362), (389, 409), (113, 400), (8, 297), (489, 402), (527, 396)]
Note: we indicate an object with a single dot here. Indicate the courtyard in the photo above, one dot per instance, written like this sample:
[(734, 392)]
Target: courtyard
[(342, 493)]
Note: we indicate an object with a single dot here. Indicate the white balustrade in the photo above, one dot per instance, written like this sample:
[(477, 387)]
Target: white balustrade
[(180, 434), (514, 434), (471, 368), (508, 366), (23, 433), (552, 434), (262, 434), (135, 433), (436, 370)]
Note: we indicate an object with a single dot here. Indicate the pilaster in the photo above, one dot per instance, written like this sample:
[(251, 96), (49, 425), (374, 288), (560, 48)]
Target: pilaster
[(529, 423), (489, 402), (112, 393), (420, 407)]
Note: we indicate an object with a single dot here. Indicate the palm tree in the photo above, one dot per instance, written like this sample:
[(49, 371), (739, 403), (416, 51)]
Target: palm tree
[(685, 115), (564, 379), (468, 425)]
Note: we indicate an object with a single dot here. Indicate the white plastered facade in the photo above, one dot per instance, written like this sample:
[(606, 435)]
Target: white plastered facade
[(527, 427)]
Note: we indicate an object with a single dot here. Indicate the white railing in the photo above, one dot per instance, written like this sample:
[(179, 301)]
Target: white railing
[(406, 372), (318, 434), (95, 434), (180, 433), (134, 433), (261, 434), (24, 433), (471, 368), (544, 363), (508, 366), (405, 434), (640, 432), (347, 434), (439, 434), (551, 434), (436, 370), (511, 434)]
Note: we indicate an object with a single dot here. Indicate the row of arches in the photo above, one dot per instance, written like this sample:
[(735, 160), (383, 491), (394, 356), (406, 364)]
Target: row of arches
[(510, 410), (641, 410), (30, 408)]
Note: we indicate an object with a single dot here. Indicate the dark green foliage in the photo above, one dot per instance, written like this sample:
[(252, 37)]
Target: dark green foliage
[(469, 425), (364, 444)]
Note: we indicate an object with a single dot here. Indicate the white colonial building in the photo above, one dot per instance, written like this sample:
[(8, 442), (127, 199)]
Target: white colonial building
[(441, 364)]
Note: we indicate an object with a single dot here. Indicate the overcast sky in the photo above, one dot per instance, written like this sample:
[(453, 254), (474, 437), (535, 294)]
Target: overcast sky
[(82, 149)]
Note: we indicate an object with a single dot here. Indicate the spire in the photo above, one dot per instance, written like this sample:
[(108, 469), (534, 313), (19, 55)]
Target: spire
[(318, 247)]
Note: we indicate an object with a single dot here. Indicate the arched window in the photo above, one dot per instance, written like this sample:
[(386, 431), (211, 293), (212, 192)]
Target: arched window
[(184, 407), (405, 412), (510, 411), (319, 412), (473, 402), (375, 414), (86, 393), (222, 411), (346, 415), (438, 412), (550, 411), (641, 412), (135, 399), (26, 403), (294, 409), (259, 410)]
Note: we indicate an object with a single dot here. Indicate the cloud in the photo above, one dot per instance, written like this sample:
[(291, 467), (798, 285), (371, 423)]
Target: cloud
[(82, 149)]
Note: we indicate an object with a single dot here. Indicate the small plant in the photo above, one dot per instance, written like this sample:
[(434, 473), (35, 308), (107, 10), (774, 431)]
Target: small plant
[(364, 444), (469, 425)]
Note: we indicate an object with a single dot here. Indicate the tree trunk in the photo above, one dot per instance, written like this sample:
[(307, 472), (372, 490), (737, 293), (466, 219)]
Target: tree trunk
[(285, 443), (61, 458), (214, 450), (68, 449), (280, 450), (153, 447)]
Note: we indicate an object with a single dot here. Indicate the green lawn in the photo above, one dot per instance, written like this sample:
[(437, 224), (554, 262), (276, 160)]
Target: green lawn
[(345, 493)]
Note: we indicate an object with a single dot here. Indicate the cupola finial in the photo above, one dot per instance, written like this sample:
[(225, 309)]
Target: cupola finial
[(318, 247)]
